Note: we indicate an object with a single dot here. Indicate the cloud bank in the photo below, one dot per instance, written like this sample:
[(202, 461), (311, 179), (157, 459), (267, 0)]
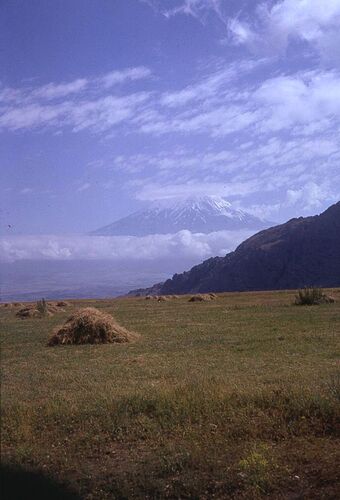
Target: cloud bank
[(182, 245)]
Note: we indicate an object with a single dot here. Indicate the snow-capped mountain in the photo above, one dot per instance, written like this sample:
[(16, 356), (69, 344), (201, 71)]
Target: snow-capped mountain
[(203, 214)]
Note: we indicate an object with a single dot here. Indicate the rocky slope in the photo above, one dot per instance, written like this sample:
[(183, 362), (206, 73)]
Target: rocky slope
[(303, 251)]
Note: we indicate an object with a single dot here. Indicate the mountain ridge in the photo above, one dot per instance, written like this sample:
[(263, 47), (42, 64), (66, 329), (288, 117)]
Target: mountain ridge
[(303, 251)]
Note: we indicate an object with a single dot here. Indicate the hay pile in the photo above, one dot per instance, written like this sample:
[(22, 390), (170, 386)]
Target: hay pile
[(202, 297), (327, 299), (62, 303), (90, 326), (33, 311), (162, 298), (11, 305), (197, 298)]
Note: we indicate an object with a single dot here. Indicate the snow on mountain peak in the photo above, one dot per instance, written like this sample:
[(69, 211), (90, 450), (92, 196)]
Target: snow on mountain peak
[(198, 214), (192, 202)]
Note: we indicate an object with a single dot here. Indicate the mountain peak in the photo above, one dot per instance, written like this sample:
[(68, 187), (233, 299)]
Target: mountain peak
[(194, 200), (198, 214)]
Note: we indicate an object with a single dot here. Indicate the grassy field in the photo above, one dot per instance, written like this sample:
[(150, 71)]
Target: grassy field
[(233, 398)]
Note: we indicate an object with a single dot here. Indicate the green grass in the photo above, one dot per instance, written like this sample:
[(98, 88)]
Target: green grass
[(233, 398)]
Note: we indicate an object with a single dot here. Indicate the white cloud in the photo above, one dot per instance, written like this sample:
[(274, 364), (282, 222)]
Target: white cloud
[(218, 104), (105, 113), (131, 74), (311, 195), (281, 102), (273, 25), (265, 211), (219, 121), (303, 98), (271, 135), (304, 199), (96, 114), (34, 115), (184, 244), (278, 103), (271, 163), (152, 190), (196, 8), (207, 87), (82, 103), (53, 91), (277, 24)]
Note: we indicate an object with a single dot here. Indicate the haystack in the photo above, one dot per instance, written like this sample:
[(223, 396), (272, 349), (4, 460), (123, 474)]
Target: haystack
[(52, 308), (213, 296), (31, 311), (62, 303), (90, 326), (200, 298), (162, 298), (328, 299), (148, 297)]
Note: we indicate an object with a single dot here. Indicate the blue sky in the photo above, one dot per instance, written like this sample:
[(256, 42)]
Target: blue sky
[(106, 105)]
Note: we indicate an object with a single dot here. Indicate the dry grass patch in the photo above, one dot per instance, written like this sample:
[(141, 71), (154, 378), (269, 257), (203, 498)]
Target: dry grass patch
[(90, 326)]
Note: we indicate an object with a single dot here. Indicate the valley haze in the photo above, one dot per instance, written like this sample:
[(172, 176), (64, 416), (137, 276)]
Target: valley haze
[(145, 247), (132, 254), (102, 266)]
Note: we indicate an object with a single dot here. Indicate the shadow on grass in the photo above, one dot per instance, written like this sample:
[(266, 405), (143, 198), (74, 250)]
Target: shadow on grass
[(20, 484)]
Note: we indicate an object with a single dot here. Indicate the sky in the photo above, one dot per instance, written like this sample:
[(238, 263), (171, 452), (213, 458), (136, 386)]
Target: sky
[(107, 105)]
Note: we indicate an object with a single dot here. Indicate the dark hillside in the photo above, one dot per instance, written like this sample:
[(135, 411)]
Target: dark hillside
[(303, 251)]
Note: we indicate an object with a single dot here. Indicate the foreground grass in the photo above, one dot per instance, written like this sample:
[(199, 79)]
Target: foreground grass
[(234, 398)]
